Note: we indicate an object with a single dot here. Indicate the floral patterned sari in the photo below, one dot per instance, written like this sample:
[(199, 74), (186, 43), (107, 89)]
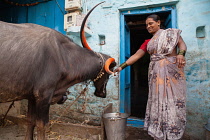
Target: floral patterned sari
[(165, 117)]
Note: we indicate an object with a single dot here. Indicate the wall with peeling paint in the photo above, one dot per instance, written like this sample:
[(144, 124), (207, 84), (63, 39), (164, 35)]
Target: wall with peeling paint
[(191, 15)]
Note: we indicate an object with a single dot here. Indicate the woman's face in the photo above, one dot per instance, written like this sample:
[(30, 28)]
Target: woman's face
[(152, 26)]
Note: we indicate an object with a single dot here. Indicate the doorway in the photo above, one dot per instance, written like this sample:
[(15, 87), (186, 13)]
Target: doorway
[(134, 79)]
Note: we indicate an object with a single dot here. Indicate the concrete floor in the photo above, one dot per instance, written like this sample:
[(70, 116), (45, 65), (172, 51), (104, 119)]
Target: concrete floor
[(140, 134), (17, 132), (66, 131), (133, 133)]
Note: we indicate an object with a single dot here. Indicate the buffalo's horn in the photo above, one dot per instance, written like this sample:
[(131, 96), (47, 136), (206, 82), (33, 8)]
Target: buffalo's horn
[(82, 32), (107, 64)]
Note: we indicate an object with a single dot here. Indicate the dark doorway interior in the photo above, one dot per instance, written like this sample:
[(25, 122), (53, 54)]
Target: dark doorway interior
[(139, 70)]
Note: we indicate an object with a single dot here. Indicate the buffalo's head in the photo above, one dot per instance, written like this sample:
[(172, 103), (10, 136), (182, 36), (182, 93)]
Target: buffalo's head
[(101, 80)]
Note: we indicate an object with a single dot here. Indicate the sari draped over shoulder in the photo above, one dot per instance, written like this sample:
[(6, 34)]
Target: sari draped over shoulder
[(165, 117)]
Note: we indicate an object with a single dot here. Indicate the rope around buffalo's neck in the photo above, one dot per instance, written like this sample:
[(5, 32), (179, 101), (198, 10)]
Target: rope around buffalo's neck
[(101, 73)]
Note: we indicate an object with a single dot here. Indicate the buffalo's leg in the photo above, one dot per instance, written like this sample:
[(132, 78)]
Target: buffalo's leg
[(42, 116), (42, 120), (31, 117)]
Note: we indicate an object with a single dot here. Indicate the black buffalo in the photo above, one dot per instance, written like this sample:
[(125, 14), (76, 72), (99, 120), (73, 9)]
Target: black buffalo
[(39, 64)]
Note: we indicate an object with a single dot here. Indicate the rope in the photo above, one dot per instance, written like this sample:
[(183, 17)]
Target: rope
[(66, 109), (60, 7), (101, 73), (12, 104)]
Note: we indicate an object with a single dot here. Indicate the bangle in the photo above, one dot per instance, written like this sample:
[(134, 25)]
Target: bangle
[(182, 52), (123, 65)]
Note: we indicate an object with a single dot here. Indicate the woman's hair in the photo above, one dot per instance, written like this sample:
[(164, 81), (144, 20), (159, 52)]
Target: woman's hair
[(154, 17)]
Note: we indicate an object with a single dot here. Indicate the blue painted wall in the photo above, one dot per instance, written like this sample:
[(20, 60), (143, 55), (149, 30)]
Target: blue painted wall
[(48, 13), (191, 15)]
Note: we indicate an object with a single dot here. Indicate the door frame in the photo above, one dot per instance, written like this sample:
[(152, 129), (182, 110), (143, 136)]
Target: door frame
[(125, 103)]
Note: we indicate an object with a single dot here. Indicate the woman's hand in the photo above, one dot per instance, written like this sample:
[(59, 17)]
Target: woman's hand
[(180, 60), (117, 70)]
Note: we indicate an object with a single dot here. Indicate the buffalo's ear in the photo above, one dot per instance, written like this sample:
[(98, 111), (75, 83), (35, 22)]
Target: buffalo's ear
[(63, 99)]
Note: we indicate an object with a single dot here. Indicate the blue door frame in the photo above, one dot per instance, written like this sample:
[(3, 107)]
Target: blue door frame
[(125, 78)]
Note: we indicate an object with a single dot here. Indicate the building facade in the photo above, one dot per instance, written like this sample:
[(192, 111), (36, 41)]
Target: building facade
[(117, 28)]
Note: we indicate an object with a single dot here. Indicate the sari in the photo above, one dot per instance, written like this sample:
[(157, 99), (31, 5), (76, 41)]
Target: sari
[(165, 117)]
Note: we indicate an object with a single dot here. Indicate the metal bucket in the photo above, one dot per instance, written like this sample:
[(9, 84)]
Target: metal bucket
[(115, 125)]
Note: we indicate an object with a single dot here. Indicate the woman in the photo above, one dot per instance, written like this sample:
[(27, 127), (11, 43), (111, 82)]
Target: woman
[(165, 116)]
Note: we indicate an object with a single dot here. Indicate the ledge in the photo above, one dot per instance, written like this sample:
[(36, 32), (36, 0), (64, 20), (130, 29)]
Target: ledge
[(75, 30), (148, 5), (107, 5)]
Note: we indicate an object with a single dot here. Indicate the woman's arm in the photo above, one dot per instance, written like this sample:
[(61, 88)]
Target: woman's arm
[(180, 59), (135, 57), (132, 59), (181, 44)]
